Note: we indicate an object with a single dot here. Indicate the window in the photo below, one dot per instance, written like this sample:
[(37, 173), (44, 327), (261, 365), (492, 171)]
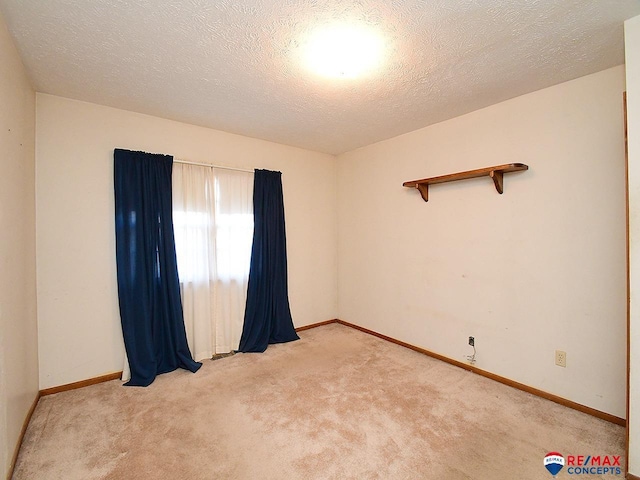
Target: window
[(213, 227)]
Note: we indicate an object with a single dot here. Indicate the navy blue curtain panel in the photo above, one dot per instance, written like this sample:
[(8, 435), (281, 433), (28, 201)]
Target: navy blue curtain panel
[(267, 317), (148, 285)]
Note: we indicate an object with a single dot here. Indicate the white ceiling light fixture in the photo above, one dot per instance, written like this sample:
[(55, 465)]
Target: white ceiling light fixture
[(344, 51)]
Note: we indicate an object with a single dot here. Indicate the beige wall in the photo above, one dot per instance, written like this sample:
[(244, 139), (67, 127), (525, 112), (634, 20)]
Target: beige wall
[(539, 268), (18, 328), (632, 52), (79, 324)]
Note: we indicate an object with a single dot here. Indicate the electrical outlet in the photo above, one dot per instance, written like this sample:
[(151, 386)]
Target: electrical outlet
[(472, 341), (561, 358)]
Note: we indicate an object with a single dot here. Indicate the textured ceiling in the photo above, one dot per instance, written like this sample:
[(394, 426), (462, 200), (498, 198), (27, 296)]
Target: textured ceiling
[(235, 65)]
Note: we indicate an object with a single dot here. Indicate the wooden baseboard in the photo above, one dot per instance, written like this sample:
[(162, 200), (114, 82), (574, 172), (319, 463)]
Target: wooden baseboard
[(25, 424), (511, 383), (83, 383), (630, 476), (315, 325)]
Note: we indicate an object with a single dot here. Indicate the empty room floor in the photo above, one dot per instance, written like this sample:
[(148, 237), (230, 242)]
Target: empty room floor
[(337, 404)]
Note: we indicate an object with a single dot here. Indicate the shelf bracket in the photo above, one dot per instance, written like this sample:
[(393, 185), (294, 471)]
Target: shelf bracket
[(497, 177), (424, 190)]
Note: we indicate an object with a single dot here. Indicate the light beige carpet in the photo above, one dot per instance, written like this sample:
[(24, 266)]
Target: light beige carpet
[(337, 404)]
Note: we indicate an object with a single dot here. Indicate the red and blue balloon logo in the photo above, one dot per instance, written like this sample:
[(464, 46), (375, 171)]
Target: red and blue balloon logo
[(553, 461)]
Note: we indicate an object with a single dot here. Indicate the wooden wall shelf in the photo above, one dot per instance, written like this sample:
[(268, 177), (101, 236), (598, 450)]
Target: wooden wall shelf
[(496, 173)]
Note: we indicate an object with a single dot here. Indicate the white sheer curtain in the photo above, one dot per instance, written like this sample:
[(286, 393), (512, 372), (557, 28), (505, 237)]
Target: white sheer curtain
[(213, 225)]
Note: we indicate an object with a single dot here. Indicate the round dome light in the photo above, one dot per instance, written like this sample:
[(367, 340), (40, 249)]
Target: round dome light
[(343, 51)]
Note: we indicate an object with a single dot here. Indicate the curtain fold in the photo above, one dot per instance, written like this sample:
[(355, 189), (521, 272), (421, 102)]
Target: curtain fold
[(213, 226), (148, 289), (267, 316)]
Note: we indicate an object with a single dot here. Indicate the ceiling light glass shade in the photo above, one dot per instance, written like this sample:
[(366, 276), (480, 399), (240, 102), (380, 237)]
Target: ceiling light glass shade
[(344, 51)]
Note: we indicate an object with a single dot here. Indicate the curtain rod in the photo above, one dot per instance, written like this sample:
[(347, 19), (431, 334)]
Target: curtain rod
[(187, 162)]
